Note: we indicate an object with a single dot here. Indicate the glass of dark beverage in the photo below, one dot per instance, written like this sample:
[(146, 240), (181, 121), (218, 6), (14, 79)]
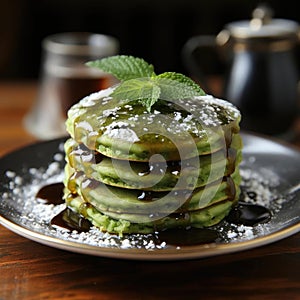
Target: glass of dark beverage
[(65, 79)]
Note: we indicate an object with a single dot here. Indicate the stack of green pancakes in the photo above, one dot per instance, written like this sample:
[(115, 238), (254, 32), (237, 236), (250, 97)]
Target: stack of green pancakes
[(131, 170)]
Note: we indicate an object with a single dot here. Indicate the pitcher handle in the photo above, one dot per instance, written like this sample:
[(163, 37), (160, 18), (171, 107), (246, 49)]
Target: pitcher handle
[(198, 69)]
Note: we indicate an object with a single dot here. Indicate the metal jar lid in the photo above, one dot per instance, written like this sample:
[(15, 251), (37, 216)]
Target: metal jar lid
[(81, 44), (262, 25), (261, 33)]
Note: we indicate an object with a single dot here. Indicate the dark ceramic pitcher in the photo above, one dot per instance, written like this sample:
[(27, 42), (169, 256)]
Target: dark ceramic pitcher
[(262, 76)]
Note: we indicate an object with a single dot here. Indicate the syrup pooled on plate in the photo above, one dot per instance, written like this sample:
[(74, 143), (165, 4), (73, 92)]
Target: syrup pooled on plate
[(248, 214), (69, 220), (244, 213), (51, 193)]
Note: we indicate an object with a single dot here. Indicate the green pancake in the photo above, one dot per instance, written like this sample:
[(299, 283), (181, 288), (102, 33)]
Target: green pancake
[(154, 176), (175, 130), (111, 208), (141, 206), (131, 169), (201, 218)]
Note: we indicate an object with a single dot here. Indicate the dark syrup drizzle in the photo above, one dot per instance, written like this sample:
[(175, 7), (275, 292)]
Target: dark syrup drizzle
[(69, 220), (247, 214), (51, 193)]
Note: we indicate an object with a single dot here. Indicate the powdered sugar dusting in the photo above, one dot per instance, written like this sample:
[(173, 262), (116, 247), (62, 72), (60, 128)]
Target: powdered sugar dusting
[(194, 115), (257, 187), (19, 202)]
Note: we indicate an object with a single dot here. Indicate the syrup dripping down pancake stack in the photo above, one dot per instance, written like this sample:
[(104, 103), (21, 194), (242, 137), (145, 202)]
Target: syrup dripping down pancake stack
[(146, 165), (129, 170)]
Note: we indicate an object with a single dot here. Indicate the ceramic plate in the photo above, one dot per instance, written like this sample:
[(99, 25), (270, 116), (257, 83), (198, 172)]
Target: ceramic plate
[(270, 170)]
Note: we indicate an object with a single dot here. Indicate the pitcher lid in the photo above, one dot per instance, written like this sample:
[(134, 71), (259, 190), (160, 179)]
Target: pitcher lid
[(262, 25)]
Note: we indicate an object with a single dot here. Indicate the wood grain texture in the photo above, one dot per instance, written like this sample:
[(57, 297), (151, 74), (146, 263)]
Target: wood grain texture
[(33, 271), (29, 270)]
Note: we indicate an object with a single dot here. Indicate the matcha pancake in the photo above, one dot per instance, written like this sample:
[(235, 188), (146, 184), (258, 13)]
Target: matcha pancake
[(138, 208), (151, 153), (205, 217), (201, 218), (174, 130), (155, 176)]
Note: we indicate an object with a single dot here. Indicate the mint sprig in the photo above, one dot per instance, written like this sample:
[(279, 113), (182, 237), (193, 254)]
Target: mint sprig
[(140, 83), (141, 89), (124, 67), (177, 86)]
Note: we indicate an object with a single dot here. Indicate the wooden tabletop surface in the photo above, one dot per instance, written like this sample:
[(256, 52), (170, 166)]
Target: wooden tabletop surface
[(29, 270)]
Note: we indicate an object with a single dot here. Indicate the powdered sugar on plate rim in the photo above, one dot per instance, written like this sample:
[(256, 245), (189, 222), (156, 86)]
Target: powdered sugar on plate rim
[(21, 206)]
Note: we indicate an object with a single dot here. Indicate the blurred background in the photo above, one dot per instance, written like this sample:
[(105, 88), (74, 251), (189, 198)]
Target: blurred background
[(153, 29)]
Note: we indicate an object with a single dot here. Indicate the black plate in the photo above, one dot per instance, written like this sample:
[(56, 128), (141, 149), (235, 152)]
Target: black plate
[(269, 168)]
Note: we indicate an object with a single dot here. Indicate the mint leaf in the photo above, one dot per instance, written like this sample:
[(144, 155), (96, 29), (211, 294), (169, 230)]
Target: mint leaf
[(143, 90), (148, 102), (140, 83), (176, 86), (124, 67)]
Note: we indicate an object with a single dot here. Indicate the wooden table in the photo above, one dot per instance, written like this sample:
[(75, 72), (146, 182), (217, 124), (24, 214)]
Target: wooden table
[(29, 270)]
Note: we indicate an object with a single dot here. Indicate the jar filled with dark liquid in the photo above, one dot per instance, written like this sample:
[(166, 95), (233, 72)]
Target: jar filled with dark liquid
[(65, 79)]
